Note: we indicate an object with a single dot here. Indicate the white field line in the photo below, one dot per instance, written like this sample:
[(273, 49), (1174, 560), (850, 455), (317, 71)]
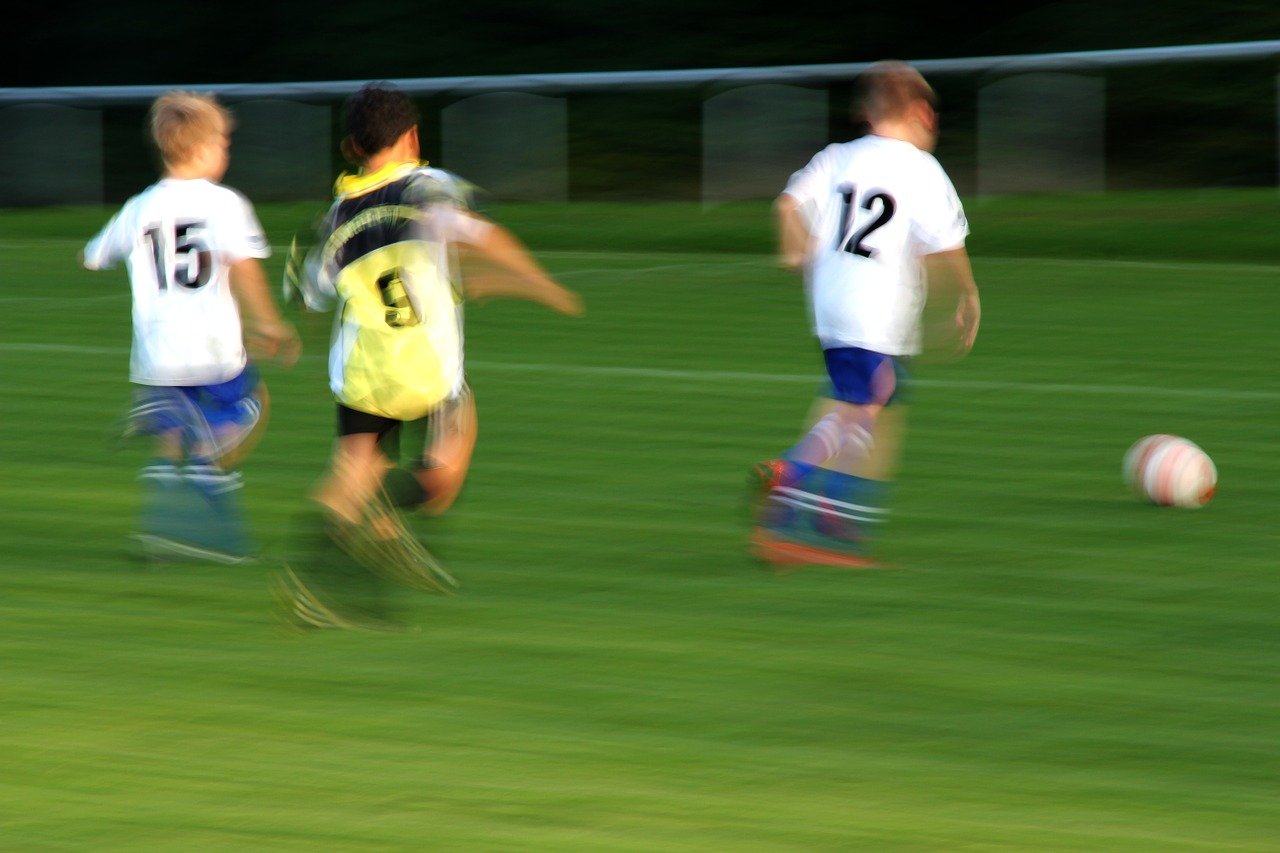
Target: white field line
[(714, 258), (729, 261), (1140, 265), (727, 266), (961, 384), (106, 297), (755, 258), (746, 376)]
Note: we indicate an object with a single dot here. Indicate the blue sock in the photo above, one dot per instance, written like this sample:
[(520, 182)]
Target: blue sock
[(218, 517)]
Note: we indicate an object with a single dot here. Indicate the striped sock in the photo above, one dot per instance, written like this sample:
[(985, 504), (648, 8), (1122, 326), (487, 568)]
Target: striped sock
[(159, 470), (826, 439), (211, 479)]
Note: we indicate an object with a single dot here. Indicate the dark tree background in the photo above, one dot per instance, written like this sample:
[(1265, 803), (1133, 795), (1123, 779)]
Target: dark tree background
[(166, 43), (1178, 125)]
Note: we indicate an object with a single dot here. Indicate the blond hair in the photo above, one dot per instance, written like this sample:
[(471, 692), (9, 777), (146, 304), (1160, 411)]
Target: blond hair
[(181, 121), (887, 89)]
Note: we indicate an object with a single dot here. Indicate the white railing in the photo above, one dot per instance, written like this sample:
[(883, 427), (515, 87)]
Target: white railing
[(1027, 123), (584, 81)]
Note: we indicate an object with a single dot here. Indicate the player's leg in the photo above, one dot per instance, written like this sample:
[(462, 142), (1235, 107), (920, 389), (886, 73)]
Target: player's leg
[(355, 470), (860, 384), (238, 435), (166, 518), (346, 550), (177, 521), (165, 463), (361, 519), (829, 515), (851, 491), (234, 413), (428, 480), (323, 584), (829, 497), (432, 481), (453, 441)]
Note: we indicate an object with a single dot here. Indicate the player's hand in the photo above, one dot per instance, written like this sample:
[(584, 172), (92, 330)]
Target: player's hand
[(276, 340), (968, 316), (566, 302), (290, 289), (557, 297)]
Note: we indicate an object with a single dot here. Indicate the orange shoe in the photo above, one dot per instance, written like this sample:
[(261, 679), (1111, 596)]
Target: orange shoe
[(770, 474), (785, 553), (763, 479)]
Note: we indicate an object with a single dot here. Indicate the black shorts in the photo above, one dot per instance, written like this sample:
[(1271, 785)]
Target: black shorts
[(391, 433), (354, 422)]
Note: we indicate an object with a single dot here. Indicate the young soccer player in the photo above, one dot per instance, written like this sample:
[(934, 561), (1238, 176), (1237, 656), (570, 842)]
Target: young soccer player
[(875, 225), (394, 260), (193, 249)]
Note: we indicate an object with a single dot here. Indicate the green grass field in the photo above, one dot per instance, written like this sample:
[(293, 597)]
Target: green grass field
[(1048, 664)]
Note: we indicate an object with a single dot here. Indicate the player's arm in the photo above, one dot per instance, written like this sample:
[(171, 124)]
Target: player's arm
[(518, 273), (107, 247), (304, 282), (951, 272), (794, 238), (265, 329)]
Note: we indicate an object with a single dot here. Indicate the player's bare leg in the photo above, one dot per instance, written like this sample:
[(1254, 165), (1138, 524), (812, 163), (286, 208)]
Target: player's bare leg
[(844, 429), (356, 469), (367, 526), (831, 515), (841, 428), (453, 441)]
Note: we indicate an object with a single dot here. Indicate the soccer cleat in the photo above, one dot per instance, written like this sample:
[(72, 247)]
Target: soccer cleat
[(165, 549), (785, 554), (300, 609), (771, 474), (764, 479), (385, 546)]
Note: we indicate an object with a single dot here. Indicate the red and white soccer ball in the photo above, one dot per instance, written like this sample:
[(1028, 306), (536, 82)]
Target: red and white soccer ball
[(1169, 470)]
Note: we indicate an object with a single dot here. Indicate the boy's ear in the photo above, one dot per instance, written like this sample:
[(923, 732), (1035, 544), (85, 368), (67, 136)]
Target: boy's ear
[(350, 151)]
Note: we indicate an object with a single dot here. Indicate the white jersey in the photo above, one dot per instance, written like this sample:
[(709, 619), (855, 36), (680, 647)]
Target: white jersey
[(179, 239), (874, 206)]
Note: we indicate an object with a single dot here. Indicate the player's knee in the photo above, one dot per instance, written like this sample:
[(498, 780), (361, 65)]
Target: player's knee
[(443, 484)]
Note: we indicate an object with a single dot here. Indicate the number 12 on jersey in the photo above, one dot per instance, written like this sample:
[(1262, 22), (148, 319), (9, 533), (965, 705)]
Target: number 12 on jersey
[(877, 202)]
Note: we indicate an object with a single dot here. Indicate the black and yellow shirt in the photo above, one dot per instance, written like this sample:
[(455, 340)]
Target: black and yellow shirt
[(397, 346)]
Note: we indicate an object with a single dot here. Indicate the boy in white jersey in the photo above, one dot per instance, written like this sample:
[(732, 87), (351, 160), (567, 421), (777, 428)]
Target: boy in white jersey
[(193, 249), (386, 263), (874, 224)]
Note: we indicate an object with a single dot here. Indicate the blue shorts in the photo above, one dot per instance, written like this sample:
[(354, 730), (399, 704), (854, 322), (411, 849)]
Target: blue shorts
[(232, 403), (228, 403), (861, 376)]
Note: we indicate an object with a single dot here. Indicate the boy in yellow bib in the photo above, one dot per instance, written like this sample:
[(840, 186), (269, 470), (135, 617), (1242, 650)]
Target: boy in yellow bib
[(386, 264)]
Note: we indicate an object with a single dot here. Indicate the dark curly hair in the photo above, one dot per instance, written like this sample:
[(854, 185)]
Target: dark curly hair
[(376, 117)]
